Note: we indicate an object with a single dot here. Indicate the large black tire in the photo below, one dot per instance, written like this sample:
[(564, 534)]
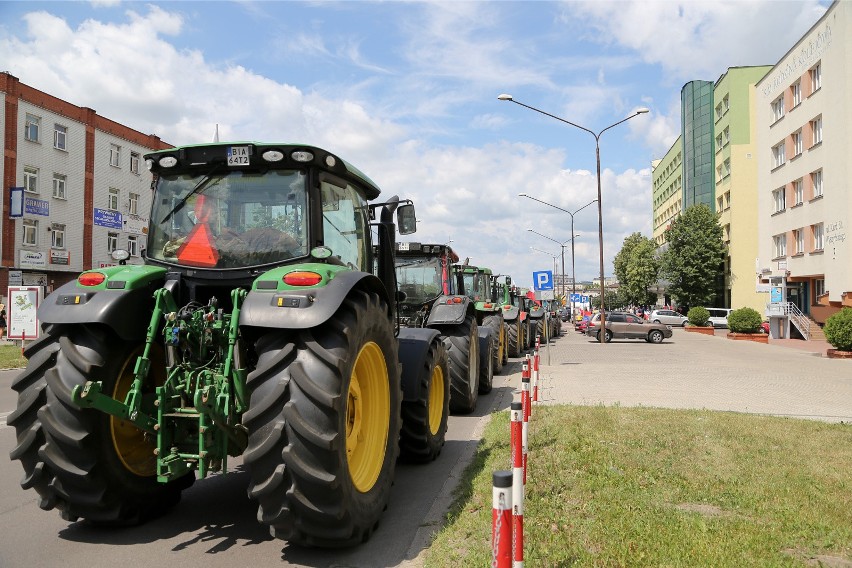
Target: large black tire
[(84, 462), (488, 345), (424, 421), (462, 343), (324, 424), (495, 323), (539, 331), (516, 342)]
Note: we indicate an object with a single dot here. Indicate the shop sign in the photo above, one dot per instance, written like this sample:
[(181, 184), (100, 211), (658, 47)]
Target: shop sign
[(32, 259)]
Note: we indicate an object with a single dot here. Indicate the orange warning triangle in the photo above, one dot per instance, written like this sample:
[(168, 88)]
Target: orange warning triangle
[(198, 249)]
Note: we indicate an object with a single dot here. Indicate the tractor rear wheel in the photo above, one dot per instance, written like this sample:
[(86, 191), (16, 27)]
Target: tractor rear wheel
[(84, 462), (324, 425), (498, 332), (462, 343), (424, 421), (515, 342), (487, 356)]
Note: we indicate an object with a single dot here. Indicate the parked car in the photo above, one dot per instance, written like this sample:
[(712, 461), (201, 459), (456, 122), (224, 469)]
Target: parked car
[(624, 325), (669, 317), (719, 316)]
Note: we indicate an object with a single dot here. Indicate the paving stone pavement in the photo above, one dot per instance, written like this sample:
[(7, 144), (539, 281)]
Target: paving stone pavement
[(690, 370)]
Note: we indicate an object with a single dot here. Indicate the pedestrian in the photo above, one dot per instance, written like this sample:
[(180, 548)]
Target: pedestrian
[(2, 324)]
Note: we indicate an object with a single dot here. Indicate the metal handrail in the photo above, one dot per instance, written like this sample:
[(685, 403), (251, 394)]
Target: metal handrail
[(799, 319)]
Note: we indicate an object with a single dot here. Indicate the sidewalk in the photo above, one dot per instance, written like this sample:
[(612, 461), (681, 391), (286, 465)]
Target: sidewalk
[(782, 378)]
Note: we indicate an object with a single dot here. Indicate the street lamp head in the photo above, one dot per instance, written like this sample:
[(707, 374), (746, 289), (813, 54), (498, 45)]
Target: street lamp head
[(504, 97), (523, 195), (642, 110)]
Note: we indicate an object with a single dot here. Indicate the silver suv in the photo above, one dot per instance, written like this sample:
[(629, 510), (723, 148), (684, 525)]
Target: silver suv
[(668, 317), (624, 325)]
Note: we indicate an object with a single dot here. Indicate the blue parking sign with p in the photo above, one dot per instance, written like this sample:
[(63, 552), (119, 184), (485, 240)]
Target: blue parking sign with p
[(543, 280)]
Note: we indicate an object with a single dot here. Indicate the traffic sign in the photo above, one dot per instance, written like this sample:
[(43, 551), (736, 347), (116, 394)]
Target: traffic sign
[(543, 280)]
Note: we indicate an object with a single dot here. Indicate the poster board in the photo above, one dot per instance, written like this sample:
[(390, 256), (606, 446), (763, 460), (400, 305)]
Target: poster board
[(21, 311)]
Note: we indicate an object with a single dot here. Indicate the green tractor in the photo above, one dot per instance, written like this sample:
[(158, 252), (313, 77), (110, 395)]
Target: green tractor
[(515, 316), (476, 283), (426, 274), (256, 328)]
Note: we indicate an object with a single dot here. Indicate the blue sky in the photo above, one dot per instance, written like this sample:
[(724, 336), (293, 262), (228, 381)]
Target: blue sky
[(407, 91)]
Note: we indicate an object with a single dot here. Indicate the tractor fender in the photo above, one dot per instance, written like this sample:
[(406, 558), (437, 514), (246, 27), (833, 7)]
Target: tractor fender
[(414, 344), (537, 312), (126, 311), (512, 313), (444, 313), (305, 308)]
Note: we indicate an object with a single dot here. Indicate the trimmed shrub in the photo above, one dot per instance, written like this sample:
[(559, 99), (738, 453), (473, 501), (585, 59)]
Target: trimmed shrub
[(698, 316), (838, 329), (744, 320)]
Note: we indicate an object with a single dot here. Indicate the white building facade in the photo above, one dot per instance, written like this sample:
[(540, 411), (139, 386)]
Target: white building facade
[(804, 135), (85, 188)]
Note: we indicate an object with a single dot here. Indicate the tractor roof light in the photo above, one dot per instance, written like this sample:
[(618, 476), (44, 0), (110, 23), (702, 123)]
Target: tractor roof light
[(302, 278), (273, 156), (301, 156), (167, 162), (91, 278)]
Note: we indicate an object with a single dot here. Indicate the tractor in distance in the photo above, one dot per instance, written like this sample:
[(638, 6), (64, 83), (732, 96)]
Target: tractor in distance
[(426, 276), (255, 327), (538, 319), (476, 284), (514, 315)]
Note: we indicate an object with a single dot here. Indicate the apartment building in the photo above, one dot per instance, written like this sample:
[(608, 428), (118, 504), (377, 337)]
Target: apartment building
[(667, 191), (803, 118), (75, 188), (735, 158)]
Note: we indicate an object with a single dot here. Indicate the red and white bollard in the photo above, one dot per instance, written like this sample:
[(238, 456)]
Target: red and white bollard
[(501, 519), (526, 407), (535, 377), (518, 452)]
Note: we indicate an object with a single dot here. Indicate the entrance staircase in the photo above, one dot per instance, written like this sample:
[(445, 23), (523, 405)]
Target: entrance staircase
[(806, 325)]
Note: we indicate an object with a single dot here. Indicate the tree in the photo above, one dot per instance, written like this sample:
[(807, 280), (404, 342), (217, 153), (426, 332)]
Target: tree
[(695, 252), (636, 267)]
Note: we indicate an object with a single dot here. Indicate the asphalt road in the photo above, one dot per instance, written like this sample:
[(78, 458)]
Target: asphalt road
[(215, 523)]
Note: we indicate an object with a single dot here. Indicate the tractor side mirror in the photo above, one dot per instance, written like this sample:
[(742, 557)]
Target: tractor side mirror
[(509, 281), (405, 219)]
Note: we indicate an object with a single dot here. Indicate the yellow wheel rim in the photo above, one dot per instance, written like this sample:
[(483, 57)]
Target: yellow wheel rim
[(436, 399), (367, 417), (134, 449)]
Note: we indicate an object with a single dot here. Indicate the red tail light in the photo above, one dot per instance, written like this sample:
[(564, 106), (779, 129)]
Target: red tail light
[(454, 300), (302, 279), (91, 278), (487, 306)]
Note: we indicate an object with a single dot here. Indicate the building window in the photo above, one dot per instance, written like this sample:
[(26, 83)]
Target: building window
[(112, 242), (799, 191), (112, 202), (779, 245), (59, 186), (132, 247), (816, 77), (134, 162), (30, 232), (133, 204), (780, 199), (816, 128), (796, 91), (779, 157), (31, 127), (816, 182), (726, 136), (818, 236), (57, 236), (799, 240), (114, 155), (797, 143), (778, 109), (60, 136), (30, 179), (819, 287), (719, 142), (726, 104)]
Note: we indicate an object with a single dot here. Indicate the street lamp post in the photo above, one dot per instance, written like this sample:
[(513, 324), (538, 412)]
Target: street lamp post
[(573, 273), (550, 254), (637, 112)]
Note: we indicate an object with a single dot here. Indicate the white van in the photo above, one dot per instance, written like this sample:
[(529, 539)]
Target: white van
[(719, 316)]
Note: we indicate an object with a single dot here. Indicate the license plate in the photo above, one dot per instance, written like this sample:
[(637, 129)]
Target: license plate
[(238, 156), (403, 246)]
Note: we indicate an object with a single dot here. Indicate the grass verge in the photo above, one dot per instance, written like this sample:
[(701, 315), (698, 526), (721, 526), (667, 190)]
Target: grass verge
[(611, 486), (11, 358)]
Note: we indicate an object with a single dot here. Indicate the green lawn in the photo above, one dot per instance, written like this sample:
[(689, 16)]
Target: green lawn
[(648, 487), (11, 358)]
